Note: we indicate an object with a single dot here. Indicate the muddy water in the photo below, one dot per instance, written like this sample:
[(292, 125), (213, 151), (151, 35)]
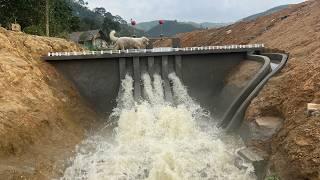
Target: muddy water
[(157, 140)]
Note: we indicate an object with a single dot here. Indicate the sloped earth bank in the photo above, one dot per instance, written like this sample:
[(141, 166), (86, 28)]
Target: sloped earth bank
[(294, 150), (42, 117)]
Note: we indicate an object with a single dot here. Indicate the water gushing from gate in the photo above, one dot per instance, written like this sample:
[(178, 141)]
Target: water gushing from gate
[(158, 140)]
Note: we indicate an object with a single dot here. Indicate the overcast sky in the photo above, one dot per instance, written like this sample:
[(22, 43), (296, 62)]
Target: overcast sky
[(187, 10)]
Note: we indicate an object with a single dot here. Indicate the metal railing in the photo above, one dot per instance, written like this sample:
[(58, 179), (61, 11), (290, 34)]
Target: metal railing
[(162, 49)]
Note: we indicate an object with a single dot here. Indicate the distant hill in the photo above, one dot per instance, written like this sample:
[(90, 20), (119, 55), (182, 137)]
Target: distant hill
[(208, 25), (151, 27), (146, 26), (268, 12), (92, 20), (171, 28)]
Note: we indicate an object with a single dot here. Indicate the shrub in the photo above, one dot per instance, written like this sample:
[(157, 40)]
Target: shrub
[(35, 30)]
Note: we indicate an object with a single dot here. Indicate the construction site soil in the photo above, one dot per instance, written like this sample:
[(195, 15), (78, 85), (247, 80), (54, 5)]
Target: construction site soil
[(294, 150), (42, 117)]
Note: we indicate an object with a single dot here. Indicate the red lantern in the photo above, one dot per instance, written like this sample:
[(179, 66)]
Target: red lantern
[(133, 22), (161, 22)]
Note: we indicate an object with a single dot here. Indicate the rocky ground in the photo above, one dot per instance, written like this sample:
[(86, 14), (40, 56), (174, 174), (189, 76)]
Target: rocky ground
[(38, 128), (294, 151)]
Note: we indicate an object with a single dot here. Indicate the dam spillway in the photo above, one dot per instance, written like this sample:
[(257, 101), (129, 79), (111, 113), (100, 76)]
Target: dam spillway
[(160, 98), (206, 71)]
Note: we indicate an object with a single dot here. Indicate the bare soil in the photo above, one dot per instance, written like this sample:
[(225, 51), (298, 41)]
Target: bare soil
[(294, 151), (42, 117), (241, 74)]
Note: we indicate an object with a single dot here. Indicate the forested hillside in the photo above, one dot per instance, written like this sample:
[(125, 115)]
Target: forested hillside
[(65, 16), (100, 18)]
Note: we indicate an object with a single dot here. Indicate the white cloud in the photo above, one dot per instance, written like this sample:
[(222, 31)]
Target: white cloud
[(187, 10)]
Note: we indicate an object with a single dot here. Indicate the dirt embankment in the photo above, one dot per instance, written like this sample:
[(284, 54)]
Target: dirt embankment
[(42, 117), (294, 151), (296, 148)]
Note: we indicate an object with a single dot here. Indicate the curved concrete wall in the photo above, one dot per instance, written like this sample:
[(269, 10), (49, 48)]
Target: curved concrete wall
[(238, 117), (265, 69)]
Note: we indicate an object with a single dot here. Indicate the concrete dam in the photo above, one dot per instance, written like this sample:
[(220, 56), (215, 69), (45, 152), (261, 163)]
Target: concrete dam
[(162, 99)]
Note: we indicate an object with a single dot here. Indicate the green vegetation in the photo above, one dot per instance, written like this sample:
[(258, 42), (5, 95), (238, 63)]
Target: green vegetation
[(273, 177), (30, 14), (146, 26), (65, 16)]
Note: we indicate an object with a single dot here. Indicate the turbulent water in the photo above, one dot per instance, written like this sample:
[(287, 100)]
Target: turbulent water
[(156, 140)]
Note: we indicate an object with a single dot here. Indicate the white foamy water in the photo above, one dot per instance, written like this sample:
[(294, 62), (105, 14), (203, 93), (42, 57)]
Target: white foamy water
[(155, 140)]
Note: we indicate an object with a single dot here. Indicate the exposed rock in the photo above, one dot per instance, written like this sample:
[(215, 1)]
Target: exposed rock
[(313, 109), (258, 162), (249, 155), (265, 127)]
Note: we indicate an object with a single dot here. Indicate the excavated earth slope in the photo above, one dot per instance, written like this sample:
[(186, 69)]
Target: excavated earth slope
[(42, 117), (294, 151)]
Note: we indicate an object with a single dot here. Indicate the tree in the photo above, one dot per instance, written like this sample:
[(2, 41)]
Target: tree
[(26, 12), (100, 10), (119, 19), (82, 2), (109, 24), (75, 23), (35, 16), (61, 17), (47, 18)]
